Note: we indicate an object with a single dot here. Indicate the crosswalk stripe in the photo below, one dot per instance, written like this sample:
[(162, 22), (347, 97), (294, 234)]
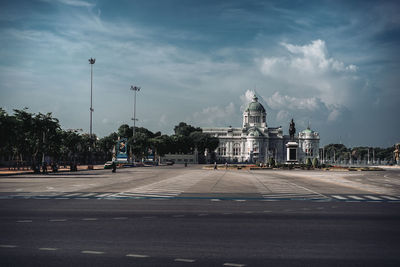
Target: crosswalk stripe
[(339, 197), (373, 198), (390, 198), (356, 197)]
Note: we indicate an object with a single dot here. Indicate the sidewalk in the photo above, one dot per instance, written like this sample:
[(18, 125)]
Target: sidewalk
[(6, 171)]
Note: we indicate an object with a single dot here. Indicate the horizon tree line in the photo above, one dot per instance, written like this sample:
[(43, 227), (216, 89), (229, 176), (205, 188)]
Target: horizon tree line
[(29, 138)]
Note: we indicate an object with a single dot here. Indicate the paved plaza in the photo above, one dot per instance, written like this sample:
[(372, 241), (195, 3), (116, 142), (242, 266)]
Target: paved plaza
[(195, 182)]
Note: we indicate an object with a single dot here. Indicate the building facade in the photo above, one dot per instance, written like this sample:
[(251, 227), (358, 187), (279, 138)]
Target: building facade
[(256, 142)]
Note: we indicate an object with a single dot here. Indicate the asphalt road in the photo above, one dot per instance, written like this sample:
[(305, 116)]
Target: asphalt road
[(198, 233), (192, 217)]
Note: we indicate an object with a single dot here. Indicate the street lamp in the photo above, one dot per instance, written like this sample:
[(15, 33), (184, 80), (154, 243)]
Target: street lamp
[(91, 62), (135, 89)]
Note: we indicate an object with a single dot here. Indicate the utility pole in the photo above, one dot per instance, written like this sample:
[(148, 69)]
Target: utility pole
[(91, 62), (135, 89)]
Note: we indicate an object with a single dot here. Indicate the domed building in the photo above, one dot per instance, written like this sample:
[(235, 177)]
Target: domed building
[(256, 142)]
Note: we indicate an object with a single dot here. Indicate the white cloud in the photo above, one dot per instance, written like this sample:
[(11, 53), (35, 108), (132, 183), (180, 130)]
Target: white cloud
[(77, 3), (278, 101), (309, 70), (213, 116), (246, 99)]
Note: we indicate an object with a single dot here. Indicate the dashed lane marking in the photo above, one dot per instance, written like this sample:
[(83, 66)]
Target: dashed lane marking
[(178, 216), (184, 260), (215, 199), (234, 264), (137, 256), (92, 252), (48, 249), (89, 219), (120, 218), (240, 200), (57, 220), (24, 221), (8, 246)]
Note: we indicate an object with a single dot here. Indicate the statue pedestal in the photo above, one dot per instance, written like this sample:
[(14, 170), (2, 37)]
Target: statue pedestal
[(291, 152)]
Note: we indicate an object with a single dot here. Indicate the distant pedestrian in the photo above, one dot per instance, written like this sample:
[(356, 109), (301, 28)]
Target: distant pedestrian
[(44, 167), (215, 165), (114, 166), (226, 165)]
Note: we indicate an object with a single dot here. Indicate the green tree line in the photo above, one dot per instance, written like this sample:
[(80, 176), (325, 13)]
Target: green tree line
[(339, 152), (27, 137)]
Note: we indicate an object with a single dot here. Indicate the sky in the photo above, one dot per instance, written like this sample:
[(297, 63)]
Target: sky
[(330, 65)]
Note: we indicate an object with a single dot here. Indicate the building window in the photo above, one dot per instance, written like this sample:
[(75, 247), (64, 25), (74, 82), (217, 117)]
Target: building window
[(236, 149), (222, 150)]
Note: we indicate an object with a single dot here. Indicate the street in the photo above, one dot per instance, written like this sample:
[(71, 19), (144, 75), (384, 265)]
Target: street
[(193, 217)]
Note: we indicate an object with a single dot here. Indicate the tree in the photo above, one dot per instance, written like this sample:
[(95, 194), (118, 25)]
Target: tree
[(184, 129), (106, 144), (315, 163)]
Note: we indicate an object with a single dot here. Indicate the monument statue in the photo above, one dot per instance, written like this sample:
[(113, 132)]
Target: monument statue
[(397, 153), (292, 130)]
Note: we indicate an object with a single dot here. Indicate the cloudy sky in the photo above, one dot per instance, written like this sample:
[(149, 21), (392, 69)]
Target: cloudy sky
[(333, 64)]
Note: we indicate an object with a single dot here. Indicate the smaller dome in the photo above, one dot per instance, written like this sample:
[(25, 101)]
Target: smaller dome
[(307, 131), (255, 105)]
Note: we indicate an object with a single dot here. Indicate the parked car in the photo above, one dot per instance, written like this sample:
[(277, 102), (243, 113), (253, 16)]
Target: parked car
[(107, 165)]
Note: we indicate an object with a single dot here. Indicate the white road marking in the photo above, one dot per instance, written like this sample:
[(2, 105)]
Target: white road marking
[(137, 256), (339, 197), (120, 218), (71, 195), (185, 260), (103, 195), (390, 198), (373, 198), (356, 197), (178, 216), (48, 249), (89, 219), (215, 199), (57, 220), (8, 246), (24, 221), (61, 198), (91, 252), (18, 189), (240, 200), (234, 264)]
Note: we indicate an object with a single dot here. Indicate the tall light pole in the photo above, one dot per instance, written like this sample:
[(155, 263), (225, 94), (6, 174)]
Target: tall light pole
[(135, 89), (91, 62)]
